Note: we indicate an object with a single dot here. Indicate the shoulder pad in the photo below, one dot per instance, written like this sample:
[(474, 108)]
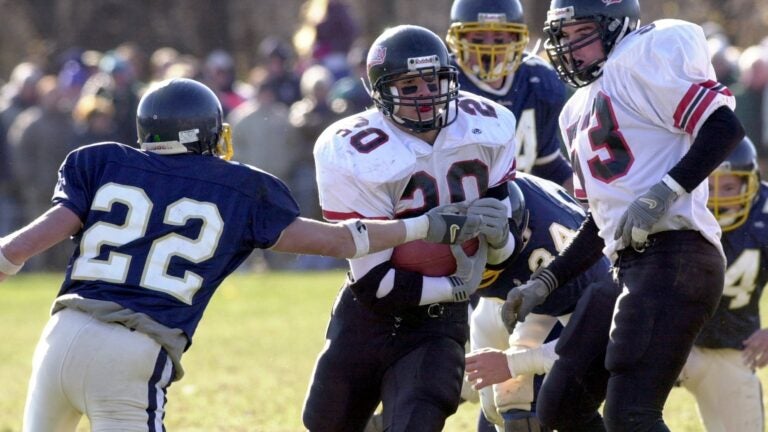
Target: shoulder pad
[(370, 153), (482, 120)]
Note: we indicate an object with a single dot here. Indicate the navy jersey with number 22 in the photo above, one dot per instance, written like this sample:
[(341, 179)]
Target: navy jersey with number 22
[(160, 233)]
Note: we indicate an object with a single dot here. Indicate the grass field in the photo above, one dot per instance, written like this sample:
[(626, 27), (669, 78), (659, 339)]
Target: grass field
[(251, 360)]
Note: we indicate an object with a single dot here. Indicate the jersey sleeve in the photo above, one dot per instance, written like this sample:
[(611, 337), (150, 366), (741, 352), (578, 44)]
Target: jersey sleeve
[(353, 183), (668, 78), (505, 165), (72, 189), (273, 211)]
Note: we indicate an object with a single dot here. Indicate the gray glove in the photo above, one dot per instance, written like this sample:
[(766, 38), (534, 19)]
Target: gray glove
[(522, 299), (469, 270), (636, 223), (494, 220), (450, 224)]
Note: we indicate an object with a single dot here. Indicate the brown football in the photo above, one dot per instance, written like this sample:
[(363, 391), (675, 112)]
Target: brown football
[(429, 259)]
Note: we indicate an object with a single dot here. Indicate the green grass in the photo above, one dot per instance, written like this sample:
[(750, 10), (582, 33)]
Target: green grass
[(252, 357)]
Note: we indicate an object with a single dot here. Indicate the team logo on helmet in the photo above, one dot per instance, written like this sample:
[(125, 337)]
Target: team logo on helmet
[(377, 56), (610, 2)]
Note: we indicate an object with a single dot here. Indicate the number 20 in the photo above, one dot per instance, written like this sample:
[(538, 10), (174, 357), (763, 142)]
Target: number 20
[(154, 276)]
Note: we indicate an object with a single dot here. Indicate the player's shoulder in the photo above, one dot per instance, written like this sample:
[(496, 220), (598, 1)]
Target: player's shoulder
[(658, 44), (102, 151), (479, 111), (547, 196), (540, 78), (365, 146)]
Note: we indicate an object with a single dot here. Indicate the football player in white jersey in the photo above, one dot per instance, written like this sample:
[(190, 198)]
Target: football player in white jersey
[(397, 336), (644, 129), (720, 371)]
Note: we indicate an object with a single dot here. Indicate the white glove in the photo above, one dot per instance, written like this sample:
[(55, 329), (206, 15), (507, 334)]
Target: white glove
[(469, 270), (494, 220)]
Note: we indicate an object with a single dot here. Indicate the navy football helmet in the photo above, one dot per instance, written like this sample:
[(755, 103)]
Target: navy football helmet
[(182, 116), (487, 61), (405, 52), (732, 211), (614, 20)]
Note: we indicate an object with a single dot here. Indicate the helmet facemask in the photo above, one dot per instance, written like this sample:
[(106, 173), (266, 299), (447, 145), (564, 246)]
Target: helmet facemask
[(609, 30), (433, 111), (732, 209), (488, 62)]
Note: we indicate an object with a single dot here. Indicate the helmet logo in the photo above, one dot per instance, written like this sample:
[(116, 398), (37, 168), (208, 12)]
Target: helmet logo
[(610, 2), (491, 17), (377, 56), (565, 13), (416, 63), (189, 136)]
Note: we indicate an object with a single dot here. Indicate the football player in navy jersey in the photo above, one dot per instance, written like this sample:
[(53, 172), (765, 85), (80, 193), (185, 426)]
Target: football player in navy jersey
[(507, 369), (156, 232), (720, 371), (487, 39)]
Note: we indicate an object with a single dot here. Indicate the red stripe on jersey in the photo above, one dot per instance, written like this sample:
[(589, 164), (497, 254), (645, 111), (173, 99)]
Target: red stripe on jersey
[(683, 105), (718, 87), (337, 216), (580, 194), (510, 175), (694, 120)]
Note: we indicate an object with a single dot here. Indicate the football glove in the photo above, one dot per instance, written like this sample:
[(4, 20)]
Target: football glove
[(636, 223), (494, 220), (451, 224), (469, 270), (522, 299)]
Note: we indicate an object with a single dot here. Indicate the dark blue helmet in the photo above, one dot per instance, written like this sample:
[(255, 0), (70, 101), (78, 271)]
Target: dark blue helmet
[(405, 52), (613, 19), (182, 116), (731, 202), (487, 61)]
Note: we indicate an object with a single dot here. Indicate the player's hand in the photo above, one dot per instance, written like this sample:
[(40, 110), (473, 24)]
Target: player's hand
[(469, 270), (450, 224), (494, 222), (486, 367), (755, 352), (637, 221), (522, 299), (3, 276)]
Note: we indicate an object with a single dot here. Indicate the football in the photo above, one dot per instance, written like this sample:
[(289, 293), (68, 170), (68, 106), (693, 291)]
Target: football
[(429, 259)]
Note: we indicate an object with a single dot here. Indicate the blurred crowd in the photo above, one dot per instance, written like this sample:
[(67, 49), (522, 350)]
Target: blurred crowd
[(277, 109)]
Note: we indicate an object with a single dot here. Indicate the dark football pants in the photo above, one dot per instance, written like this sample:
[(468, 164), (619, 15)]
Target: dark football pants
[(413, 364), (668, 293)]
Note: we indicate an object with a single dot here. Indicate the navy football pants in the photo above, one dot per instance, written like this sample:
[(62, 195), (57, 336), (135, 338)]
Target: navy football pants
[(667, 294), (413, 364)]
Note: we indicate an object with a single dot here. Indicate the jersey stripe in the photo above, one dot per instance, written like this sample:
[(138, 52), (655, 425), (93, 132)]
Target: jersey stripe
[(695, 103)]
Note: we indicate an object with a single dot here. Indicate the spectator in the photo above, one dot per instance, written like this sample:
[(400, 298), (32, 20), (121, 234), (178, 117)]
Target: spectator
[(276, 56)]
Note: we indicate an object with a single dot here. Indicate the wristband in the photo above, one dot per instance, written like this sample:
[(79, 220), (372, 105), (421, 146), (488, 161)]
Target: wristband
[(8, 267), (359, 235), (416, 228), (674, 185)]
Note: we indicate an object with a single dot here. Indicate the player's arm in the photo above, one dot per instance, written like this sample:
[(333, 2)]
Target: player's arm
[(53, 226), (584, 251), (488, 366), (355, 238)]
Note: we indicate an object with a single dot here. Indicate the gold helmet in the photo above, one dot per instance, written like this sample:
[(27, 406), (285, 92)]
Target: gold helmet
[(487, 62), (732, 210)]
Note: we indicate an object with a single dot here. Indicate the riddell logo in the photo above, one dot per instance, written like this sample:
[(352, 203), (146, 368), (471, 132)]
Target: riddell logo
[(611, 2), (425, 61)]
